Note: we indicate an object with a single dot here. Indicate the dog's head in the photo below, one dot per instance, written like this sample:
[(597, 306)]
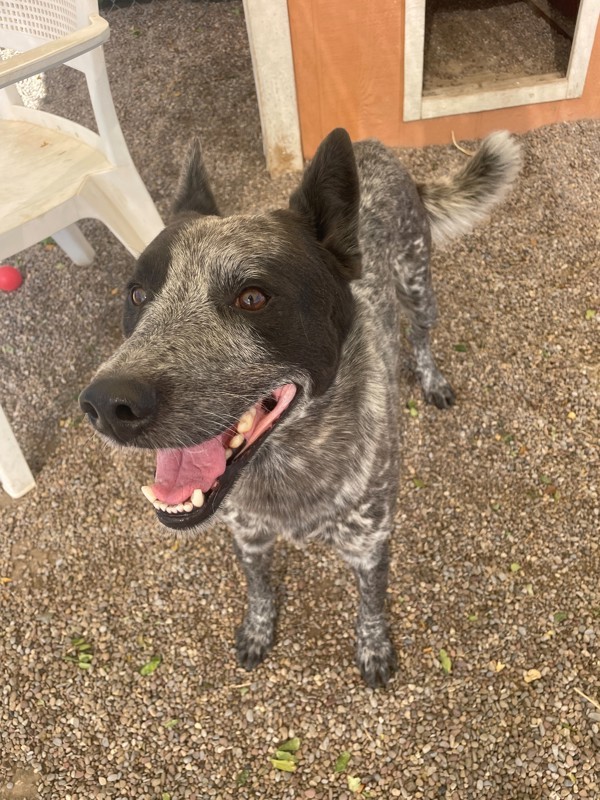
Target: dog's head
[(228, 322)]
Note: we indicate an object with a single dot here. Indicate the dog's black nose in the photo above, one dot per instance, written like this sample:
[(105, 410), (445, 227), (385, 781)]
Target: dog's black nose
[(119, 407)]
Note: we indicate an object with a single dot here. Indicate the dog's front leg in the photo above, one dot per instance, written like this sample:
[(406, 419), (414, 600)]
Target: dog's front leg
[(375, 653), (254, 638)]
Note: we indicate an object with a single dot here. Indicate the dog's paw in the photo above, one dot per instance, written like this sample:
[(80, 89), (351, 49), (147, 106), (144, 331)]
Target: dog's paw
[(377, 661), (438, 392), (253, 643)]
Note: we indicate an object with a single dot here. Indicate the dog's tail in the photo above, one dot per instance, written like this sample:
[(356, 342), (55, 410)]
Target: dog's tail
[(456, 204)]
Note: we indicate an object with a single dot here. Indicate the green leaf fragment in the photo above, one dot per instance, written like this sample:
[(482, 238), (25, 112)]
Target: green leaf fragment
[(77, 642), (84, 657), (412, 408), (149, 668), (560, 616), (418, 483), (242, 777), (354, 784), (590, 313), (290, 745), (284, 766), (461, 347), (171, 723), (342, 761), (445, 661), (284, 755), (515, 567), (165, 796), (84, 665)]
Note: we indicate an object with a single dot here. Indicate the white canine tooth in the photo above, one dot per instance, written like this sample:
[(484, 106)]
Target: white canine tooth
[(237, 440), (188, 507), (228, 453), (197, 498), (246, 421), (149, 494)]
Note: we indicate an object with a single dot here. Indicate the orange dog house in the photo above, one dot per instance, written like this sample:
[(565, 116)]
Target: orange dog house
[(363, 65)]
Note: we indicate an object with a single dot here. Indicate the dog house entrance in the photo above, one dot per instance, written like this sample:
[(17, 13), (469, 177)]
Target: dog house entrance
[(475, 55)]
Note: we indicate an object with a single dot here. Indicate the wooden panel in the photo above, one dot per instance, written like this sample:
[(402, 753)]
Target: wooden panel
[(501, 94), (414, 21), (270, 47), (583, 43), (347, 60)]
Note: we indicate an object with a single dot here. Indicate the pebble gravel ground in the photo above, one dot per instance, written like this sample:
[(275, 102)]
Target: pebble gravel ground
[(496, 553)]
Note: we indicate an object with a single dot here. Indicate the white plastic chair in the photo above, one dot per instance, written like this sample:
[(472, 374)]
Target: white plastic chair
[(55, 172)]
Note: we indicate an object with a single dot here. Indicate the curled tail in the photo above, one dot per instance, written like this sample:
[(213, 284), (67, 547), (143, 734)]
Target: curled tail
[(456, 204)]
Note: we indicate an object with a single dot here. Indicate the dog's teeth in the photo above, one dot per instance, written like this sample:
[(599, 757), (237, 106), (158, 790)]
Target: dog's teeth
[(237, 440), (149, 494), (197, 498), (179, 508), (228, 453), (171, 509), (157, 504), (246, 421), (162, 506), (188, 507)]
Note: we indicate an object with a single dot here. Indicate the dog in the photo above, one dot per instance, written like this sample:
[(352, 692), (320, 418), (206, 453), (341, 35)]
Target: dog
[(261, 363)]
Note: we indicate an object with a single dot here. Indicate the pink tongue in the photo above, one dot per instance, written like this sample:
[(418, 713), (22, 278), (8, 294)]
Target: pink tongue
[(179, 472)]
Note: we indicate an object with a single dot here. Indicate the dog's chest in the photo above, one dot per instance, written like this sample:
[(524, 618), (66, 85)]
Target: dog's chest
[(319, 489), (335, 465)]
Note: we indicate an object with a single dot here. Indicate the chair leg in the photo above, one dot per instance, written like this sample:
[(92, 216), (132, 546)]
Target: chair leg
[(15, 475), (120, 200), (75, 245)]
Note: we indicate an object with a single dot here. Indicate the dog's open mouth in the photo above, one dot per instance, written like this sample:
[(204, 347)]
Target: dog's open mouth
[(192, 482)]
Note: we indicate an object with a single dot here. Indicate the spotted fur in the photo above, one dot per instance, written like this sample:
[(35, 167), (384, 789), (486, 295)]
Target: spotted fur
[(343, 264)]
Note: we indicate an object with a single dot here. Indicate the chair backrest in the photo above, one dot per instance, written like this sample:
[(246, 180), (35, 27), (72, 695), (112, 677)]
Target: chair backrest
[(28, 23), (25, 24)]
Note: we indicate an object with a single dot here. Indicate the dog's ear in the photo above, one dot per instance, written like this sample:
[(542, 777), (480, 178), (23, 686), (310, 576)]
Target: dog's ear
[(328, 198), (193, 190)]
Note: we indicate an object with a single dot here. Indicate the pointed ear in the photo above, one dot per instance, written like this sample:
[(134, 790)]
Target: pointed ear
[(328, 199), (193, 190)]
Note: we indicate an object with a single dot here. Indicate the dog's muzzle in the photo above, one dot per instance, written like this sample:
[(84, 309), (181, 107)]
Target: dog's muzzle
[(120, 408)]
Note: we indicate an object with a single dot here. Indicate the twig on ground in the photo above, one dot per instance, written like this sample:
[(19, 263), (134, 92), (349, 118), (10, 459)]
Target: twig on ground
[(462, 149)]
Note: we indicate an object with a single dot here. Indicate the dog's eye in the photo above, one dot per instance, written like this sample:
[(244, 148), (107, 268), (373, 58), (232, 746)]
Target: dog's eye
[(138, 296), (251, 299)]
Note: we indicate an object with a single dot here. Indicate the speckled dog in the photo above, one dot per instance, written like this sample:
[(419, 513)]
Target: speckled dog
[(262, 363)]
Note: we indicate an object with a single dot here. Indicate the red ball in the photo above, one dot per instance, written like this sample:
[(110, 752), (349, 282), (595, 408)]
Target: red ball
[(10, 278)]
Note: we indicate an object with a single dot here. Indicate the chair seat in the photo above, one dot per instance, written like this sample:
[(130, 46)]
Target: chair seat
[(41, 168)]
